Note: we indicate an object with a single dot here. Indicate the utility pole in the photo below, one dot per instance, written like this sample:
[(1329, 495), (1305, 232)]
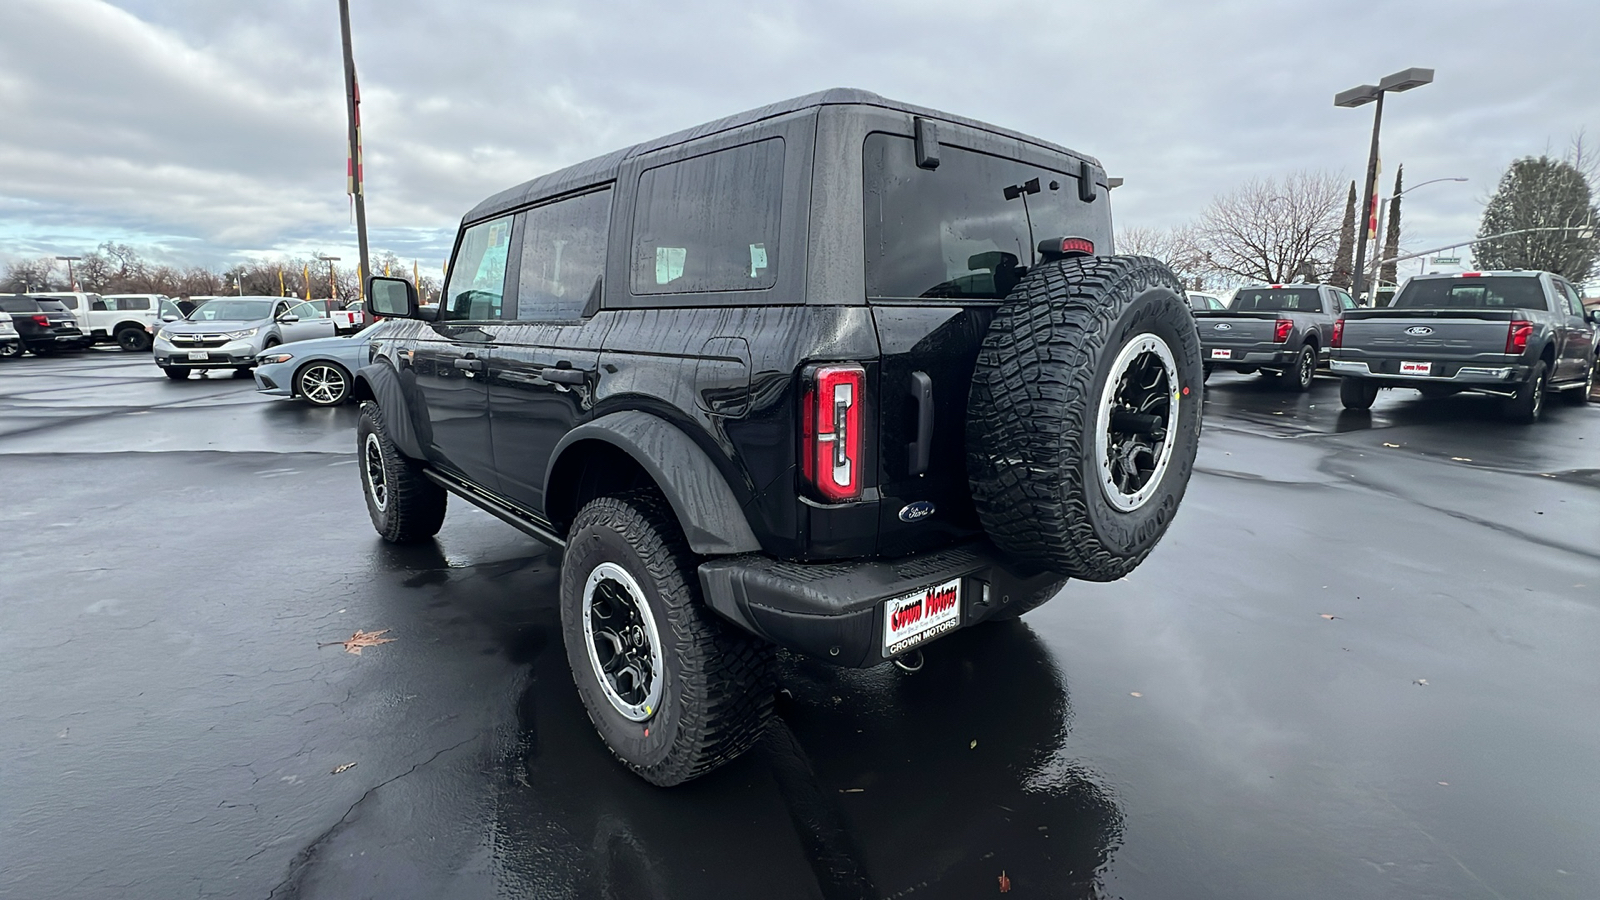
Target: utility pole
[(71, 278), (352, 95), (1361, 95)]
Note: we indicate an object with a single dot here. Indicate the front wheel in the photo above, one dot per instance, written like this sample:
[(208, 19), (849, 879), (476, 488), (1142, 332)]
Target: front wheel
[(133, 340), (177, 374), (10, 350), (1357, 393), (323, 384), (673, 690), (404, 505)]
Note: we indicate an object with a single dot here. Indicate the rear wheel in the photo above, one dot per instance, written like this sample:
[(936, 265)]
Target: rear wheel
[(176, 374), (1084, 415), (404, 505), (1298, 377), (673, 690), (133, 339), (10, 349), (1528, 404), (1357, 393)]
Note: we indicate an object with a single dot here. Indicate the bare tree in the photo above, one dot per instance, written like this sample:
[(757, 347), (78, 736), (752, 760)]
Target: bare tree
[(1271, 231), (1173, 246)]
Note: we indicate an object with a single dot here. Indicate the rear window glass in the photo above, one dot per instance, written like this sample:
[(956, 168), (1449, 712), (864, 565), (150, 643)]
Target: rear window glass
[(1277, 300), (710, 223), (953, 231), (1472, 293), (19, 304), (52, 305)]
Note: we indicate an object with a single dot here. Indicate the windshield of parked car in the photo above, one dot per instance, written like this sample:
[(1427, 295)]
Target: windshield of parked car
[(1503, 292), (1277, 300), (232, 311)]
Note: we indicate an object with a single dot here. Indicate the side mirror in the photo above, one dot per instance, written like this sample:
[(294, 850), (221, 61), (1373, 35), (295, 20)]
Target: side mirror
[(392, 298), (288, 318), (1593, 315), (169, 318)]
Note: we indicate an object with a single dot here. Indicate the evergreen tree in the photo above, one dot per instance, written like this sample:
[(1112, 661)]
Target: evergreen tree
[(1391, 238), (1546, 194), (1344, 259)]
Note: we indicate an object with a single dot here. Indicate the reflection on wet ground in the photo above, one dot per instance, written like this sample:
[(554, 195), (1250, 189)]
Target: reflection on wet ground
[(1361, 664)]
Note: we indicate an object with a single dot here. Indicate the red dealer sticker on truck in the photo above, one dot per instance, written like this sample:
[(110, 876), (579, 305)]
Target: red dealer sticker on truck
[(1416, 368), (921, 616)]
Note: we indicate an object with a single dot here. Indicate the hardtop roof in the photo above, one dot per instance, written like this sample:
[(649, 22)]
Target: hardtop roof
[(604, 168)]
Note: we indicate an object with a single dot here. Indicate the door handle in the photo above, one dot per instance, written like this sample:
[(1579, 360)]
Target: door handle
[(558, 375), (470, 364), (922, 447)]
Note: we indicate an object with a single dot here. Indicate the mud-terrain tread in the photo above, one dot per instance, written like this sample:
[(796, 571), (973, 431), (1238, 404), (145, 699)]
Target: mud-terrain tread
[(416, 505), (725, 675), (1033, 399)]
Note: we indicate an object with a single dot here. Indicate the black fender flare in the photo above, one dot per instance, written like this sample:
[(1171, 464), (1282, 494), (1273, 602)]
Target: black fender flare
[(379, 383), (707, 509)]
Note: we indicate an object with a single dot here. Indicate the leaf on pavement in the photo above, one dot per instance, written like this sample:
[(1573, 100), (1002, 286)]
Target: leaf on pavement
[(1387, 444), (361, 639), (1005, 883), (1329, 616), (1135, 694), (344, 768)]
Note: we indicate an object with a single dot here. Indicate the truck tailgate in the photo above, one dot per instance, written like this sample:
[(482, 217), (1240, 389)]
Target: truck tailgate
[(1426, 334), (1219, 328)]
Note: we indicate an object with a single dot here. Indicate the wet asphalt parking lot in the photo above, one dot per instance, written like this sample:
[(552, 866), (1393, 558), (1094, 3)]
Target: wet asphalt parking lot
[(1365, 662)]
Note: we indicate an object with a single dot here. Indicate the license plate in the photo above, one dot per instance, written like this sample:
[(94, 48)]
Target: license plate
[(1222, 354), (199, 354), (920, 616), (1416, 368)]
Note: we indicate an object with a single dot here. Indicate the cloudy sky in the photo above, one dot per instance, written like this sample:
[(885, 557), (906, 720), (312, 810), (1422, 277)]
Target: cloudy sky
[(204, 130)]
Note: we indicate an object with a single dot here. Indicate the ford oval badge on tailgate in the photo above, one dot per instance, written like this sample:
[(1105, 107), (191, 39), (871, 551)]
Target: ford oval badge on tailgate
[(1419, 331), (916, 512)]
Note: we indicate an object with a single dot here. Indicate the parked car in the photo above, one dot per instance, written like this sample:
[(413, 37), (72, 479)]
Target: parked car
[(1512, 334), (345, 314), (10, 341), (319, 372), (1283, 330), (121, 319), (43, 325), (230, 332), (788, 400)]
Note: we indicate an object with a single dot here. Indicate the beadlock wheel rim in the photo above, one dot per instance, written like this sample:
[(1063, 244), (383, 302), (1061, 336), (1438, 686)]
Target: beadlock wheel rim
[(1137, 422), (322, 384), (377, 478), (619, 634)]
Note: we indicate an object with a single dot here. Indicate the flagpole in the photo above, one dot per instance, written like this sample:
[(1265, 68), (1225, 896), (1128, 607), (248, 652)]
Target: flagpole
[(353, 107)]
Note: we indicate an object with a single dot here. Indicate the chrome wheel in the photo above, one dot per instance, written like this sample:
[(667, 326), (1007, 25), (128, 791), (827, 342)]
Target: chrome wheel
[(624, 647), (1137, 422), (324, 384), (1308, 367), (377, 478), (1538, 397)]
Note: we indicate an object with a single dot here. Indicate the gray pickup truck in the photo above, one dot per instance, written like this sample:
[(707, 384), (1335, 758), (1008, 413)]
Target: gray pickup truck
[(1283, 330), (1512, 334)]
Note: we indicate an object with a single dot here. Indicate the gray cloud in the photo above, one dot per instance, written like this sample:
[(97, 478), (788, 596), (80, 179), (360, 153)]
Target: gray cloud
[(214, 128)]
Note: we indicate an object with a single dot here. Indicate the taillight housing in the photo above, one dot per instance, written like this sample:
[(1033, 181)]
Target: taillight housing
[(1281, 333), (42, 321), (1337, 340), (1517, 336), (830, 430)]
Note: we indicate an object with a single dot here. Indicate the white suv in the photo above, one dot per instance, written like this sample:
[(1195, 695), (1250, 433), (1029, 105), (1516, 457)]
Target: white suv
[(123, 319)]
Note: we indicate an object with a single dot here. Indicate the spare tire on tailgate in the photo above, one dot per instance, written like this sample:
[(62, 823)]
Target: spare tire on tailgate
[(1084, 415)]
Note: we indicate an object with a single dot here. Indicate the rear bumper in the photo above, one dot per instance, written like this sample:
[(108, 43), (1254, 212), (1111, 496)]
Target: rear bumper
[(1253, 356), (834, 611), (1450, 373)]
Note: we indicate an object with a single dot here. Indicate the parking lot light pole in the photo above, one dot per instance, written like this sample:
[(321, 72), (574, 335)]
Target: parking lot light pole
[(333, 291), (71, 278), (1361, 95)]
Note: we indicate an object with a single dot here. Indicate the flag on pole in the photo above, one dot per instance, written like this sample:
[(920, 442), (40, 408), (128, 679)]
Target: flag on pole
[(281, 291), (307, 277), (1372, 212), (353, 173)]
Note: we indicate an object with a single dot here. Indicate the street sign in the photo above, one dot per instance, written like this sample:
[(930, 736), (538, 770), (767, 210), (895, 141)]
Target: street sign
[(1447, 260)]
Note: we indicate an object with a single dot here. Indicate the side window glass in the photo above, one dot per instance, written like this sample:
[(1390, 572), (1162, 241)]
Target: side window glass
[(99, 305), (70, 302), (1345, 300), (306, 311), (478, 276), (1570, 298), (563, 258), (710, 223)]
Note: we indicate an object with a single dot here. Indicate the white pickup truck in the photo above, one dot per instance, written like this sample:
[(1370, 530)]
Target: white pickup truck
[(123, 319)]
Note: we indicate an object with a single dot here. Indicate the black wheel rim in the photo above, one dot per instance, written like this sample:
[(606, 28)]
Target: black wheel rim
[(1137, 421), (623, 644), (377, 478)]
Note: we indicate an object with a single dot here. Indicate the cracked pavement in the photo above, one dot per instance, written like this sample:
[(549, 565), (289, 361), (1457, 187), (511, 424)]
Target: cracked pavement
[(174, 552)]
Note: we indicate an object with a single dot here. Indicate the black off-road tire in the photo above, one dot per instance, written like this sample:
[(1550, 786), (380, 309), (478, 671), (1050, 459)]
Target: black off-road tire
[(404, 505), (1034, 409), (1357, 393), (176, 373), (133, 340), (1299, 376), (716, 683), (1528, 405)]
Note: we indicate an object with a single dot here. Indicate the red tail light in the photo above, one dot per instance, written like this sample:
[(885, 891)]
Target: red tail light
[(1517, 336), (1338, 334), (1281, 334), (42, 321), (830, 430)]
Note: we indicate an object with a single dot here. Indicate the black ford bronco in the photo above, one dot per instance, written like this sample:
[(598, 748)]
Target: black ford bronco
[(838, 375)]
